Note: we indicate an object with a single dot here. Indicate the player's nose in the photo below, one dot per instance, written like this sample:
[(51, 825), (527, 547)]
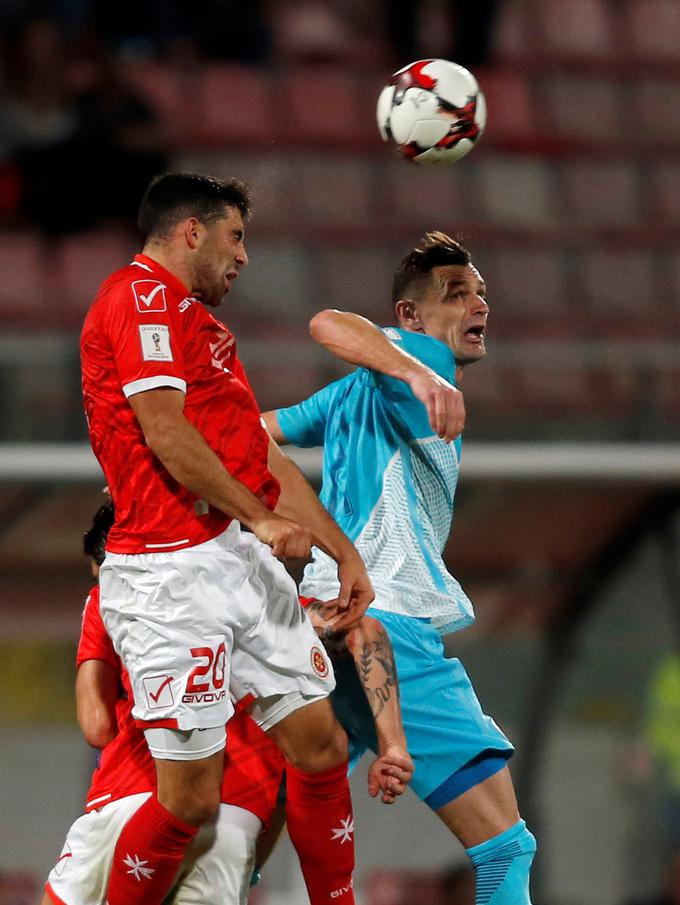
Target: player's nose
[(241, 257)]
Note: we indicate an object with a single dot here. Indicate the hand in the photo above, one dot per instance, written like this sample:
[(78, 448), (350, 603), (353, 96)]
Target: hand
[(444, 404), (390, 773), (356, 593), (287, 539)]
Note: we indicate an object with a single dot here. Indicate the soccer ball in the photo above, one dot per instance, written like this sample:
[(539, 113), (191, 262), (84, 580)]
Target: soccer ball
[(433, 111)]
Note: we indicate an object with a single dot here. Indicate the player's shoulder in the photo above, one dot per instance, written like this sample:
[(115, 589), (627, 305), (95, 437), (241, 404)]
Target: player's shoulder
[(431, 351)]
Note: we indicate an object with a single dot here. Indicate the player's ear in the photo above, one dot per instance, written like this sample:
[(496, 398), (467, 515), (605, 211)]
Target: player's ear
[(407, 313), (191, 229)]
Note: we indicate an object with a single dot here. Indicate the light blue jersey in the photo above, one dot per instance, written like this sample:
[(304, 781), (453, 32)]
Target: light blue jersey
[(389, 482)]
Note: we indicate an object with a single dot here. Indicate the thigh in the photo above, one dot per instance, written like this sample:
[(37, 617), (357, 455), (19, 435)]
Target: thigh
[(166, 616), (444, 723), (80, 874), (276, 650), (484, 811)]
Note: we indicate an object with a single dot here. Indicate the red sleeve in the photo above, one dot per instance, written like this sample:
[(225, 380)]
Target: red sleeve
[(144, 335), (95, 643)]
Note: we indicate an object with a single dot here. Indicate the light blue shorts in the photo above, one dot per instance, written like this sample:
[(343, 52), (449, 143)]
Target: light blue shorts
[(445, 726)]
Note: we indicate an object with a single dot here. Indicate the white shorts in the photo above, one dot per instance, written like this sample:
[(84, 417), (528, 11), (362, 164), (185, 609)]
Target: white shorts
[(193, 624), (216, 870)]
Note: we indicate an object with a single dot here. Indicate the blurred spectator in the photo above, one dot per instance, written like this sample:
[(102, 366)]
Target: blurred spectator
[(63, 139), (119, 141), (663, 738), (470, 22), (311, 31), (219, 29), (670, 895), (38, 119)]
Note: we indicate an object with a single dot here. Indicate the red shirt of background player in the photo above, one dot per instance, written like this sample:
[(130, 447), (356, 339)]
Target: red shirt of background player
[(253, 764), (143, 332)]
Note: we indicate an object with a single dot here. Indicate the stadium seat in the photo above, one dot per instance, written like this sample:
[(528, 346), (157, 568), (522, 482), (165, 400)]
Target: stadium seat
[(600, 192), (167, 93), (654, 29), (278, 286), (509, 104), (358, 279), (524, 283), (318, 105), (335, 190), (656, 111), (427, 197), (623, 281), (27, 283), (517, 191), (81, 264), (235, 104), (584, 108), (577, 28), (515, 33)]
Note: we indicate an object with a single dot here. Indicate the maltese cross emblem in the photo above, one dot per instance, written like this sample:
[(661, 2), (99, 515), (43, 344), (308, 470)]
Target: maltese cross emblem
[(344, 832), (137, 868)]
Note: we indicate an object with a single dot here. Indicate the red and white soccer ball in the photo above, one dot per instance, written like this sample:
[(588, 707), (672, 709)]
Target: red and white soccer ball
[(433, 111)]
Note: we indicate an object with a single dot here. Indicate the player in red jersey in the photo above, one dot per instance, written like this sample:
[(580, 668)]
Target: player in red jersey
[(193, 606), (219, 864)]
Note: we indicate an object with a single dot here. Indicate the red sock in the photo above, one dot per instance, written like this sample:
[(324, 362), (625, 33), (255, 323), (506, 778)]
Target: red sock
[(321, 827), (147, 856)]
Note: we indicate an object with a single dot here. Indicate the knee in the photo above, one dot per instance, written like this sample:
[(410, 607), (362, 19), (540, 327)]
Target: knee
[(314, 740), (195, 805), (328, 749)]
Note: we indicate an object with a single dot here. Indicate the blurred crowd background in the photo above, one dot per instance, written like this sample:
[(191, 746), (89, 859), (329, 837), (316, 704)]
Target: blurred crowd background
[(571, 207)]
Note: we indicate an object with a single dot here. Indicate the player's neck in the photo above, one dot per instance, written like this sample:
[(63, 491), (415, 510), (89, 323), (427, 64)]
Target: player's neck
[(168, 258)]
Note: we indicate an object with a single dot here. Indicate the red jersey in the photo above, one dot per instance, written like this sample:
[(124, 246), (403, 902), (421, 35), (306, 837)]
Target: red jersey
[(253, 764), (143, 332)]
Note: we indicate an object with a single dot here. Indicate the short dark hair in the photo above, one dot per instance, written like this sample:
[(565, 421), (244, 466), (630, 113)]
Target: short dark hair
[(172, 197), (436, 249), (94, 539)]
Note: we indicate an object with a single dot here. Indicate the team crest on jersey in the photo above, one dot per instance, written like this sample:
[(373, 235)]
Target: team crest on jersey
[(158, 690), (319, 663), (149, 296)]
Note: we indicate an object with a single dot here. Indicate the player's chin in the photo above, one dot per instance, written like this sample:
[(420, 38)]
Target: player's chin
[(470, 353)]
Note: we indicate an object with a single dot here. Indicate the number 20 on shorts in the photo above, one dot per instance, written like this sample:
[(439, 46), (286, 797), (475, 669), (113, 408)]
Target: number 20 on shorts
[(210, 670)]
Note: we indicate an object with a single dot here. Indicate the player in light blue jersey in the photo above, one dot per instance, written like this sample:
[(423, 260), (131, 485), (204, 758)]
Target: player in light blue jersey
[(389, 476)]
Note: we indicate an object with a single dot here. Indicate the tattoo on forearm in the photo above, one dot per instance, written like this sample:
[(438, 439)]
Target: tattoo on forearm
[(378, 672)]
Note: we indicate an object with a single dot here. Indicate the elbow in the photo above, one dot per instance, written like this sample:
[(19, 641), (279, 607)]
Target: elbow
[(98, 727), (321, 325), (98, 733)]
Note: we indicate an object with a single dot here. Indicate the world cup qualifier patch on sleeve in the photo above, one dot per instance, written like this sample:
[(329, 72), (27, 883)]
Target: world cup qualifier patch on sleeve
[(155, 342)]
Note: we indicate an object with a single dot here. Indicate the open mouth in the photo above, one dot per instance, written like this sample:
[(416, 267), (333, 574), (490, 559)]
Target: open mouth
[(475, 334)]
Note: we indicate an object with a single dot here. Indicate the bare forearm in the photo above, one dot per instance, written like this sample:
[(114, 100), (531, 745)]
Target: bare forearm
[(357, 341), (188, 458), (299, 502), (97, 690), (371, 649)]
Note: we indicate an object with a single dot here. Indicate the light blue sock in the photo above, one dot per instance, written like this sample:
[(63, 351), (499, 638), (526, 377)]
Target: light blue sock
[(502, 867)]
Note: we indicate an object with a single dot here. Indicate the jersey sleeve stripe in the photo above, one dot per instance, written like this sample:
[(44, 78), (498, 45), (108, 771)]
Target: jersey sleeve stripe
[(151, 383)]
